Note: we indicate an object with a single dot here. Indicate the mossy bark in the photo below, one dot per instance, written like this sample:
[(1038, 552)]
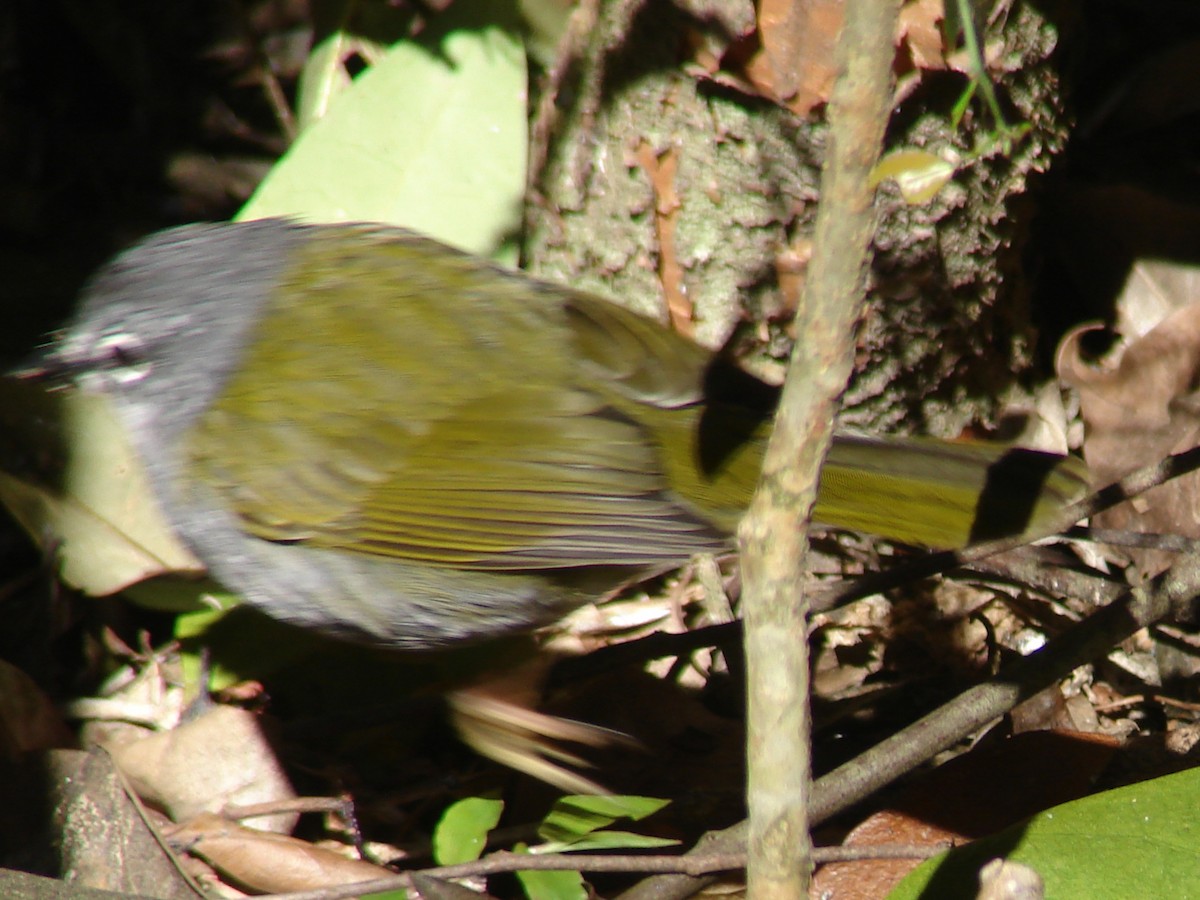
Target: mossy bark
[(949, 334)]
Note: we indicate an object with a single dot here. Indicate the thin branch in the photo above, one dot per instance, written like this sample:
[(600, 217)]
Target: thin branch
[(1092, 638), (505, 862), (774, 603)]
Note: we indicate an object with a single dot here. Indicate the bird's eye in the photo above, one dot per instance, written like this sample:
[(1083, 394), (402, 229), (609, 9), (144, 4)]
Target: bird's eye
[(125, 357)]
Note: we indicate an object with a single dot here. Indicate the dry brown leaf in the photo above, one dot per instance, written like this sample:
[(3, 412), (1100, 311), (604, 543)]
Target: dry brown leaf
[(726, 23), (795, 63), (1154, 289), (273, 863), (921, 29), (28, 719), (972, 796), (217, 759), (1139, 406)]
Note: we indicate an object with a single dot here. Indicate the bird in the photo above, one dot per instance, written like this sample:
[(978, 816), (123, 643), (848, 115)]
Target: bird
[(367, 433)]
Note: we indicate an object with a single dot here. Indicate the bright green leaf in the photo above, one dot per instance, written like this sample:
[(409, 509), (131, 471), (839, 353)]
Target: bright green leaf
[(195, 624), (546, 885), (1136, 841), (561, 885), (324, 75), (195, 661), (546, 22), (959, 111), (433, 137), (574, 817), (607, 840), (462, 832), (344, 29)]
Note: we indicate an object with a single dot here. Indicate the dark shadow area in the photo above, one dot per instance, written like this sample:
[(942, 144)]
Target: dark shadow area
[(1127, 186), (119, 119), (1014, 486)]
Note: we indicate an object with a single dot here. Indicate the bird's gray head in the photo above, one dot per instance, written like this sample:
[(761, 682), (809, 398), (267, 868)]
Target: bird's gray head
[(160, 327)]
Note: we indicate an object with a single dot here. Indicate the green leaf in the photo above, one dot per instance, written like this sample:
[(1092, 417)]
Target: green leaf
[(72, 480), (433, 137), (179, 595), (918, 174), (1136, 841), (235, 643), (344, 29), (539, 885), (461, 833), (607, 840), (194, 659), (547, 885), (324, 76), (575, 817)]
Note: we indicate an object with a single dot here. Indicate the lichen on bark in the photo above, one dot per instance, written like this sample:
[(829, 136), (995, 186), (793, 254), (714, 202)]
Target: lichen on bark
[(949, 334)]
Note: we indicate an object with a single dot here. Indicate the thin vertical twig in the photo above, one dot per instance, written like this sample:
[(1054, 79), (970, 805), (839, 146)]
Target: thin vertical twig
[(773, 542)]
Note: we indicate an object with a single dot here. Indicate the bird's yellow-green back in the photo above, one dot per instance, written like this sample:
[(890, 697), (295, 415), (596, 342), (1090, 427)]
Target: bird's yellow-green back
[(485, 420)]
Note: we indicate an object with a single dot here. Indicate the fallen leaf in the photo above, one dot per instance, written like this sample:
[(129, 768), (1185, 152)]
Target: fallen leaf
[(267, 862), (218, 759), (972, 796), (1140, 405), (795, 63), (72, 480), (921, 30)]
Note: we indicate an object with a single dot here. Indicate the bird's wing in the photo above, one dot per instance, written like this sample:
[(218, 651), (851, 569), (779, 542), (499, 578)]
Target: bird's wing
[(486, 436)]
